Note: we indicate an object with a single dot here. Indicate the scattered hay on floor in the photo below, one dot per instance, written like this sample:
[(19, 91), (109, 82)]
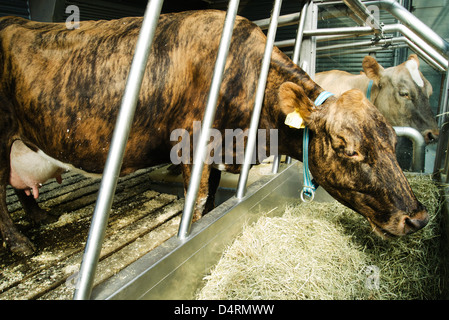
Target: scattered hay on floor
[(327, 251)]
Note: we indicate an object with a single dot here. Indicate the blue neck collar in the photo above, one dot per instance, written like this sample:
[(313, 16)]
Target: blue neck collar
[(309, 185), (368, 91)]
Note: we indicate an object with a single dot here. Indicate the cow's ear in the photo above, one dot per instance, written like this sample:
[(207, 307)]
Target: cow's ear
[(373, 70), (293, 99), (428, 86), (414, 57)]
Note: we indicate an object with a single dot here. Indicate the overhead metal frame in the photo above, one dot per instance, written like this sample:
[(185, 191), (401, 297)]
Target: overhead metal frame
[(431, 46), (415, 35)]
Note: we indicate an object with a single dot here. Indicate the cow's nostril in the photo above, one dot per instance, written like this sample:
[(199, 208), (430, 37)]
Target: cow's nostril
[(431, 135), (413, 225)]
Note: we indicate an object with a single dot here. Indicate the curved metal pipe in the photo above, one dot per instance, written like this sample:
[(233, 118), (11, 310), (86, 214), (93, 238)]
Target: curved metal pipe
[(395, 42), (414, 24), (419, 146), (338, 33), (284, 20), (417, 39)]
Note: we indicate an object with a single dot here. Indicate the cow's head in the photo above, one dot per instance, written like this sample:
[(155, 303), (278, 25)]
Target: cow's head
[(402, 95), (352, 156)]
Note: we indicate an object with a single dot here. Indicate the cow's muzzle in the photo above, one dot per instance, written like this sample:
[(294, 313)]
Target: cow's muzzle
[(410, 225), (402, 225), (431, 136)]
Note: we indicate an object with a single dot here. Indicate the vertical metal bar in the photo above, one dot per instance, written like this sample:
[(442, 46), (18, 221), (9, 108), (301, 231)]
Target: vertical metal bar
[(307, 59), (443, 117), (297, 47), (115, 156), (299, 34), (276, 162), (243, 178), (209, 115)]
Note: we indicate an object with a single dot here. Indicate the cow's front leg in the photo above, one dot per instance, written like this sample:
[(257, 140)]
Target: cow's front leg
[(30, 206), (205, 200), (12, 237), (214, 181)]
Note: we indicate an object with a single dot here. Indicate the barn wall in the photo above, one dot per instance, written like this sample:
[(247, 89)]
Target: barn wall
[(14, 8)]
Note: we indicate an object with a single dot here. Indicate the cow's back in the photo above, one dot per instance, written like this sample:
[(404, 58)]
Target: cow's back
[(337, 81), (67, 85)]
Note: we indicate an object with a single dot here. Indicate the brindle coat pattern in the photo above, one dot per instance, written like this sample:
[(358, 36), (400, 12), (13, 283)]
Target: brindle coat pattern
[(60, 91)]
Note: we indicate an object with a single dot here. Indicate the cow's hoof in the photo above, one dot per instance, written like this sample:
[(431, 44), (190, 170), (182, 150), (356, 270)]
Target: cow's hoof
[(21, 246)]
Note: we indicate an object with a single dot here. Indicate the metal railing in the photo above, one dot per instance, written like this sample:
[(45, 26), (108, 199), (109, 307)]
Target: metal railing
[(431, 47), (419, 146), (260, 93), (208, 119), (115, 157)]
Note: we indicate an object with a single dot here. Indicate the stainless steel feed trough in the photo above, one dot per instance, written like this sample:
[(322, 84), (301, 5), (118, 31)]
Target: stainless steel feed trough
[(174, 270)]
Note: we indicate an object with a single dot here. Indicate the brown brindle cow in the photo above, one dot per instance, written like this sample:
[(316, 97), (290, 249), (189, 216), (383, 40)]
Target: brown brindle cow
[(401, 93), (60, 91)]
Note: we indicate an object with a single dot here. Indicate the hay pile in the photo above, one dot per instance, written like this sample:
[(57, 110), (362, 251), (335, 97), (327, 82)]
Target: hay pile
[(326, 251)]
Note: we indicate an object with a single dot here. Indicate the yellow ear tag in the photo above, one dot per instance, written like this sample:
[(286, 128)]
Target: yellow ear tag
[(294, 120)]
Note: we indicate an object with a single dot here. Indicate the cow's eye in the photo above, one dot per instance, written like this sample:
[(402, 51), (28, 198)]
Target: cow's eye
[(404, 94), (351, 153)]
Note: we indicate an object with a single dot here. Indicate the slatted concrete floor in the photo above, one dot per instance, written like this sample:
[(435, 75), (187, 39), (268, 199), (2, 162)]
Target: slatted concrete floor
[(141, 219)]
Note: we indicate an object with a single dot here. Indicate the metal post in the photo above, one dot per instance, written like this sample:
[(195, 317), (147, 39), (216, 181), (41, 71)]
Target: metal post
[(276, 163), (209, 115), (299, 35), (396, 42), (243, 178), (443, 116), (115, 156), (307, 55)]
